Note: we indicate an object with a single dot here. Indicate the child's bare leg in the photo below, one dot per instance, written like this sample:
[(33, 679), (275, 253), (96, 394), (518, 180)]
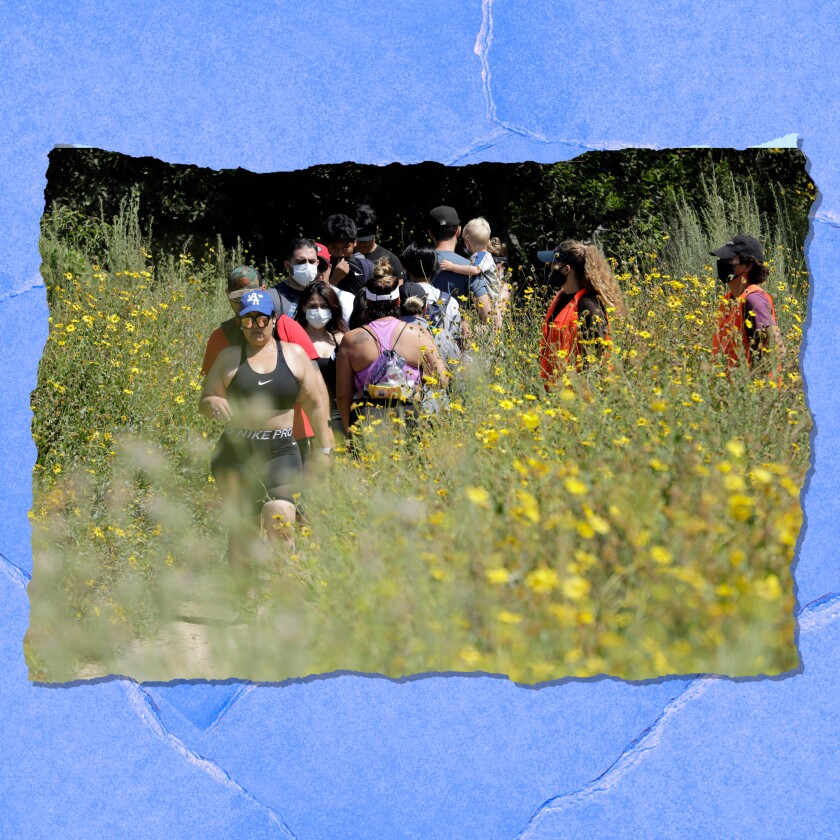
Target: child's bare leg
[(278, 520)]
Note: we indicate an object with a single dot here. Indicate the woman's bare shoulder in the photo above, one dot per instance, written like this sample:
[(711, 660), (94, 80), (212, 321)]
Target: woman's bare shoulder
[(229, 356), (354, 337)]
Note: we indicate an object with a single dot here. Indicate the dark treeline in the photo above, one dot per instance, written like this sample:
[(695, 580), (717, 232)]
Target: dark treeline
[(528, 205)]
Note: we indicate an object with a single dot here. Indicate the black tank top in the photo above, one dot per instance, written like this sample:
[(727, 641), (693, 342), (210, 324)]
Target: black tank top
[(280, 385), (327, 368)]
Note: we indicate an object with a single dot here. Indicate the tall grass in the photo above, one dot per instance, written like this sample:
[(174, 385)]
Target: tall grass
[(639, 521)]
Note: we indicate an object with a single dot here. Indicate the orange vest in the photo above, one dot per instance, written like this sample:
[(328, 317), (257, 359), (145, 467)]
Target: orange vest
[(561, 335), (731, 339)]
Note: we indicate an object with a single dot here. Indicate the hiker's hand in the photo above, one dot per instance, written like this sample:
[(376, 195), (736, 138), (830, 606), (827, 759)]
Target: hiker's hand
[(219, 409), (340, 270)]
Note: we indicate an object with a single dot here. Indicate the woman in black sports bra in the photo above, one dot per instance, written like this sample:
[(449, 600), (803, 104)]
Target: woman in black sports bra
[(253, 390), (319, 313)]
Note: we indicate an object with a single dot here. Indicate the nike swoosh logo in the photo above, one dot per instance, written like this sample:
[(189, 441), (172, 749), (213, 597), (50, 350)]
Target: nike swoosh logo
[(263, 383)]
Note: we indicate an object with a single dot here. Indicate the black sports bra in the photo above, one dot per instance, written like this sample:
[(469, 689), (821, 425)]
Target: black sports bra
[(279, 385)]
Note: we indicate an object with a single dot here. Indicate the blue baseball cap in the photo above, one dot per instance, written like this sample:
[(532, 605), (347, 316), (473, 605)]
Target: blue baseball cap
[(256, 301), (554, 255)]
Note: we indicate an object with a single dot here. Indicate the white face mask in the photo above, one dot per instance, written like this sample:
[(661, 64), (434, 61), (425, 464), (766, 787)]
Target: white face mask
[(304, 273), (318, 317)]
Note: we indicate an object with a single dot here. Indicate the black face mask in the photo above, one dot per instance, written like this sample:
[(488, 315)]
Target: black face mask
[(725, 271), (558, 277)]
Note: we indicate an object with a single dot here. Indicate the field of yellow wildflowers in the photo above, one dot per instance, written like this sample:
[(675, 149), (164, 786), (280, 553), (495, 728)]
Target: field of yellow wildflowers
[(639, 521)]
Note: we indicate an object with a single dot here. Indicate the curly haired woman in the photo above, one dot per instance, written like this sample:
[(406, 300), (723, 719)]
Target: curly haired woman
[(576, 325)]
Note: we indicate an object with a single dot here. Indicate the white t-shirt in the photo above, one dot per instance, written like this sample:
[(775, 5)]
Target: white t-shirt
[(488, 272), (346, 299)]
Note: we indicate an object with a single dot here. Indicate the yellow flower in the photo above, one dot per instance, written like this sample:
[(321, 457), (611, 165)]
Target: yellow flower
[(656, 464), (659, 554), (498, 575), (737, 557), (598, 523), (470, 655), (478, 496), (769, 589), (508, 617), (575, 486), (736, 448), (530, 420), (564, 613), (585, 558), (585, 530), (734, 482), (528, 507), (741, 507), (542, 580), (576, 588), (758, 475)]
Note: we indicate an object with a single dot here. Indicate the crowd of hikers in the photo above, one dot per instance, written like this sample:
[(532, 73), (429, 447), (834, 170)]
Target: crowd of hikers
[(353, 331)]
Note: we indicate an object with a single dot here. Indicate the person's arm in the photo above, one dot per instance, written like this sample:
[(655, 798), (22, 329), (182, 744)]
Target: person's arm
[(457, 268), (431, 363), (501, 304), (213, 401), (593, 324), (344, 381), (773, 341), (484, 307), (767, 336), (215, 344), (313, 394)]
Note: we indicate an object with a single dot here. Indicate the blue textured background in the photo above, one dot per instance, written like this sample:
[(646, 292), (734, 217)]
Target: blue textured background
[(272, 86)]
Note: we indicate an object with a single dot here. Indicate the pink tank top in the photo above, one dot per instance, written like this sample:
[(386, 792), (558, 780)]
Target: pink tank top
[(383, 329)]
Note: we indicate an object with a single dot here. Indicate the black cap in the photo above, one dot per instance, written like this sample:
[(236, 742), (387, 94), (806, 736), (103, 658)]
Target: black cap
[(408, 290), (443, 216), (741, 246)]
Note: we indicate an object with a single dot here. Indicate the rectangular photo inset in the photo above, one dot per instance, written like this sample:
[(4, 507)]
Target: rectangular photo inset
[(521, 419)]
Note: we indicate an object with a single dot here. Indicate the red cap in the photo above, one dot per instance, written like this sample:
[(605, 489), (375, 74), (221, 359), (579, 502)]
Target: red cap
[(322, 252)]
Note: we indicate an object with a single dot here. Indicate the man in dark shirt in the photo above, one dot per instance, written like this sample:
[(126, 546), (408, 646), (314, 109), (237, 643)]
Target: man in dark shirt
[(444, 230), (301, 266), (350, 271), (367, 230)]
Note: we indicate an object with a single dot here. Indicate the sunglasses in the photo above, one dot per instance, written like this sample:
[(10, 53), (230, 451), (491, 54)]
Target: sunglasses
[(261, 321)]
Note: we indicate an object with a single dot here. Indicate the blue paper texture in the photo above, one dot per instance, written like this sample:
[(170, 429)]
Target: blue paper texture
[(277, 86)]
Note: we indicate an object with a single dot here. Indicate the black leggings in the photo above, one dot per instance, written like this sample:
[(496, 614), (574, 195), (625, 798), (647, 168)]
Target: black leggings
[(267, 461)]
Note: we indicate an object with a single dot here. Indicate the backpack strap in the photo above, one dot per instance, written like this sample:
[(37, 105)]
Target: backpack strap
[(394, 342)]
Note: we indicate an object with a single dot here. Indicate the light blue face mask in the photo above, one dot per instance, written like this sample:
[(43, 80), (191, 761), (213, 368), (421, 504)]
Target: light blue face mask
[(318, 317), (304, 273)]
